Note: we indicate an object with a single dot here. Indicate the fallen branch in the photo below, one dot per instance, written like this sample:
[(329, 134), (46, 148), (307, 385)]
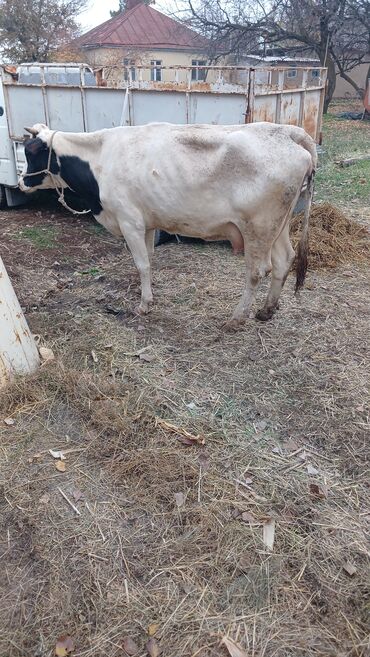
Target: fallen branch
[(352, 160)]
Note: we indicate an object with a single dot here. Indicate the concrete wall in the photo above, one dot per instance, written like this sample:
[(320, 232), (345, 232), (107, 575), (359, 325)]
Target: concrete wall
[(345, 90)]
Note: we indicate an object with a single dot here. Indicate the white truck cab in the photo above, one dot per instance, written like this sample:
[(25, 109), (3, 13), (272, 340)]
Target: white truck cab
[(28, 80)]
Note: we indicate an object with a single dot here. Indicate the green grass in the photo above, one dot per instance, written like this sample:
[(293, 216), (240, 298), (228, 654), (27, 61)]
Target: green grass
[(92, 271), (342, 139), (43, 237), (95, 229)]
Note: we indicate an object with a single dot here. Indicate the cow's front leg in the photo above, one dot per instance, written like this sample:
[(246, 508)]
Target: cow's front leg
[(137, 244)]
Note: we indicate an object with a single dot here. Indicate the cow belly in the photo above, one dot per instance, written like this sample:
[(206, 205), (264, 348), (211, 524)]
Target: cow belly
[(231, 233), (209, 231)]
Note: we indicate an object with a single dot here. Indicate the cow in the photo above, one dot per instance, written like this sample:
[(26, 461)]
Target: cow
[(238, 183)]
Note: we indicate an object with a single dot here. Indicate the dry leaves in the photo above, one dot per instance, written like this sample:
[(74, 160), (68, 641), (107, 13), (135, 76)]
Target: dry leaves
[(311, 470), (9, 421), (349, 568), (60, 466), (269, 533), (153, 648), (183, 436), (57, 454), (318, 491), (233, 649), (153, 629), (46, 354), (77, 494), (94, 356), (129, 646), (147, 358), (64, 646), (246, 516), (179, 499), (204, 461)]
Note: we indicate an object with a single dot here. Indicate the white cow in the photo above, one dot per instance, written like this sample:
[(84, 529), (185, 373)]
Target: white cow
[(239, 183)]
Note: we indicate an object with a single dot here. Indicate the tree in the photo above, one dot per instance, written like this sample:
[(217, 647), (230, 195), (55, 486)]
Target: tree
[(121, 8), (336, 31), (126, 5), (32, 30)]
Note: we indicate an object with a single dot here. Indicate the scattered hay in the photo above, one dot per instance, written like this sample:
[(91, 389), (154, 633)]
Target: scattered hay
[(169, 536), (334, 239)]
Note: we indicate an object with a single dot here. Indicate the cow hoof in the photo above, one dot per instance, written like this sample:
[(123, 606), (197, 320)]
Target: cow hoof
[(234, 325), (264, 314), (143, 309)]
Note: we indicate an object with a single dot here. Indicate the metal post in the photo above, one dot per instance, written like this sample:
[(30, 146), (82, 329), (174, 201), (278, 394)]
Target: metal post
[(18, 351)]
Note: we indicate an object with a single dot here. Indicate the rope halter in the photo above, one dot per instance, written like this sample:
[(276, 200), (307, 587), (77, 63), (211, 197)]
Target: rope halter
[(59, 190)]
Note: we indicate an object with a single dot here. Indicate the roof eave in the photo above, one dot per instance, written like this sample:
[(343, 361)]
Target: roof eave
[(167, 48)]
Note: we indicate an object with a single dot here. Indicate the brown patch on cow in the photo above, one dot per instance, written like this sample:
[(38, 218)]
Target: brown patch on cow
[(198, 142)]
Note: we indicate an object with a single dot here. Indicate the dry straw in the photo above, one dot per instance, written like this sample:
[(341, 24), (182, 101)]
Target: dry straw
[(258, 535)]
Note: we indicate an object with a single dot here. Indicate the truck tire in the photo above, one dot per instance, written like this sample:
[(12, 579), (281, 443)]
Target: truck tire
[(160, 237), (3, 202)]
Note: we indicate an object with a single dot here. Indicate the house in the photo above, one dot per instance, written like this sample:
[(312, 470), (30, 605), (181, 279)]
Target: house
[(277, 70), (143, 36)]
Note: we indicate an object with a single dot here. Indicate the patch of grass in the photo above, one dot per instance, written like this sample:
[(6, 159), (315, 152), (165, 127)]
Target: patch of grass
[(43, 237), (96, 229), (343, 138), (92, 271)]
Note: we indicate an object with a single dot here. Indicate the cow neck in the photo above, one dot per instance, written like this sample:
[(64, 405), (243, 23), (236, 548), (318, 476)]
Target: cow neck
[(78, 175)]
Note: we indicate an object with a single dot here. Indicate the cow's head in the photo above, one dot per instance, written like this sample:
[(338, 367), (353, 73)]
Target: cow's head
[(39, 160)]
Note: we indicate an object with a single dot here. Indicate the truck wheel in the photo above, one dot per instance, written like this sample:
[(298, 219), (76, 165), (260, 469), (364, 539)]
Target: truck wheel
[(3, 202), (160, 237)]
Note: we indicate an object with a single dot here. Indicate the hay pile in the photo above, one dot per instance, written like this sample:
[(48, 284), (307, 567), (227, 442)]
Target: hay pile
[(334, 239)]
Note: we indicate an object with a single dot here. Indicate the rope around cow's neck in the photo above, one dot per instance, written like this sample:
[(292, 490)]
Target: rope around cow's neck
[(58, 189)]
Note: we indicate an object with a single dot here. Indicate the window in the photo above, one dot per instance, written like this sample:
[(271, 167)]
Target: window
[(198, 74), (156, 73), (129, 65), (315, 73), (292, 73)]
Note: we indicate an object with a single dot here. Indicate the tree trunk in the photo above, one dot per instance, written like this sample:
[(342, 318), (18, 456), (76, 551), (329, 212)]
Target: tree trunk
[(331, 82), (360, 91)]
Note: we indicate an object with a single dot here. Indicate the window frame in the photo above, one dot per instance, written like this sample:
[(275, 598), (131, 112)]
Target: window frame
[(292, 73), (129, 70), (156, 70), (198, 75)]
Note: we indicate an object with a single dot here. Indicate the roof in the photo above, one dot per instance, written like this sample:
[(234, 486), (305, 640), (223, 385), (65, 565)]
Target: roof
[(270, 59), (143, 27)]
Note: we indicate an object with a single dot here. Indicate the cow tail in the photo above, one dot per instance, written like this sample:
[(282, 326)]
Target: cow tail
[(302, 255)]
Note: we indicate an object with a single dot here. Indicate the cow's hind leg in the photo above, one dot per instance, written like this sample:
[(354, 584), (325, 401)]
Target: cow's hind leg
[(149, 241), (282, 256), (258, 264), (137, 244)]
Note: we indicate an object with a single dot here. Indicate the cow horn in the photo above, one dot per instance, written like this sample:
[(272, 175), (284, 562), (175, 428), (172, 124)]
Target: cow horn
[(32, 131)]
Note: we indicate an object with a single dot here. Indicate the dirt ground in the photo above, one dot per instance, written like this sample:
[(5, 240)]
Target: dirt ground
[(169, 539)]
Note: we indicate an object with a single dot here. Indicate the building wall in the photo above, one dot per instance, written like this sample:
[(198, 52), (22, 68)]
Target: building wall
[(111, 59), (344, 90)]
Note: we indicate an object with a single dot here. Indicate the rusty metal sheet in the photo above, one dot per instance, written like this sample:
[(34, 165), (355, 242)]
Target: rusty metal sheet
[(265, 108), (310, 119), (290, 108)]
